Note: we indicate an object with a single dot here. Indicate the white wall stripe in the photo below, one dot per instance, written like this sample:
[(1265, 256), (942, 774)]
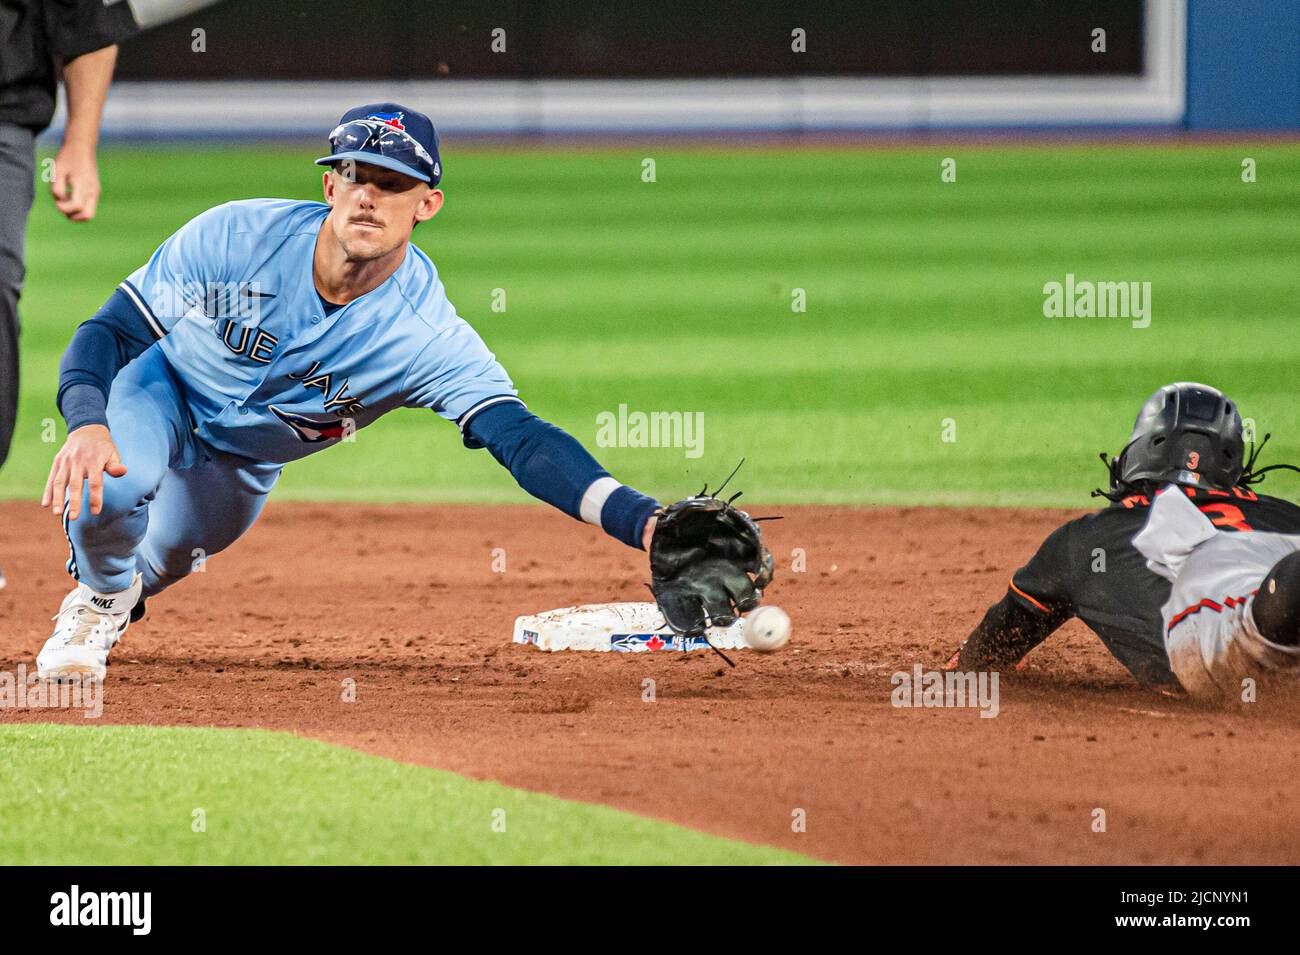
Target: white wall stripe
[(263, 109)]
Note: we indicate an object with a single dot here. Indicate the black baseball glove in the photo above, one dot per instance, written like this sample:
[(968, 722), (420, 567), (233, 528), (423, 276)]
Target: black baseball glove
[(707, 564)]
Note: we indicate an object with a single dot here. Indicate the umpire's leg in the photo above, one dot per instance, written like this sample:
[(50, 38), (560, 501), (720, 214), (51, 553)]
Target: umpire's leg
[(17, 178)]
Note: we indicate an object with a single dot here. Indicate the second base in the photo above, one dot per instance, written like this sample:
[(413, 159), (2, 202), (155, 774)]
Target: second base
[(620, 627)]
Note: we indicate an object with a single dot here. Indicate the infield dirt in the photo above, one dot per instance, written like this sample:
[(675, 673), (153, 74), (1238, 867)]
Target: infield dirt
[(411, 603)]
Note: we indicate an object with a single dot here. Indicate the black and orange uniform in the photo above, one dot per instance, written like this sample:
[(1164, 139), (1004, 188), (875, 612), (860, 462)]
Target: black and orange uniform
[(1088, 568)]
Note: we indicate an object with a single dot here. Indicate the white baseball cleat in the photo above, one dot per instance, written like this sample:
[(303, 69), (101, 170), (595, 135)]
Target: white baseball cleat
[(89, 624)]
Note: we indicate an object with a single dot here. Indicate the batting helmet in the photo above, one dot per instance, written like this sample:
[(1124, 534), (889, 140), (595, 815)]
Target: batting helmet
[(1186, 433), (1277, 605)]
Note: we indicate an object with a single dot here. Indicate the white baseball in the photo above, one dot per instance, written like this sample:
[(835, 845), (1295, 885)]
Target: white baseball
[(767, 628)]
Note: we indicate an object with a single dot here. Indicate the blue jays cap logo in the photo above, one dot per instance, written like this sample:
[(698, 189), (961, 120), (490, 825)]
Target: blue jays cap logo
[(389, 119)]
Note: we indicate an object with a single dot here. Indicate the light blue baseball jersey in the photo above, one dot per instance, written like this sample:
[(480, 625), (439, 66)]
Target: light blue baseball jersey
[(268, 373)]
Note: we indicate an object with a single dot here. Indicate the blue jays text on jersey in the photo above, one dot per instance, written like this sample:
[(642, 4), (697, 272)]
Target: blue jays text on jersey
[(271, 374)]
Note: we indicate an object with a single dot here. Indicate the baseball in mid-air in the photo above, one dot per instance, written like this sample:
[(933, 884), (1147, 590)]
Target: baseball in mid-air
[(767, 628)]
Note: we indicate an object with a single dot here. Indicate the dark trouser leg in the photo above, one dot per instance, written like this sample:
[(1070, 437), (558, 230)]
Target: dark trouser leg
[(17, 173)]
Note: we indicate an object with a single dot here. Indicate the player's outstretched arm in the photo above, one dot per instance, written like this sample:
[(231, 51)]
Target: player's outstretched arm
[(1008, 631), (707, 559), (1036, 603), (552, 466)]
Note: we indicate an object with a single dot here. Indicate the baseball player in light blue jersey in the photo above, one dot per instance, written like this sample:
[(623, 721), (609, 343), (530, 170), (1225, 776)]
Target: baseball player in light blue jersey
[(265, 330)]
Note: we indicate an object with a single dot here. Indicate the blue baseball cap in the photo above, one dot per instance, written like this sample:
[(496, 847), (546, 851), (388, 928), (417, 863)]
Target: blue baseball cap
[(390, 136)]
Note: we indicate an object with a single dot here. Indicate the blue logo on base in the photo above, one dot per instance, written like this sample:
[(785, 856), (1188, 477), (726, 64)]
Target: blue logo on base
[(641, 642)]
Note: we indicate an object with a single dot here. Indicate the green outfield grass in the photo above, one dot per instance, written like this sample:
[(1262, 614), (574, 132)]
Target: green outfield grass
[(128, 795), (924, 303)]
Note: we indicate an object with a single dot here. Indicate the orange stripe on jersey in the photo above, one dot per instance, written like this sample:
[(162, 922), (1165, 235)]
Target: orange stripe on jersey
[(1027, 597), (1208, 604)]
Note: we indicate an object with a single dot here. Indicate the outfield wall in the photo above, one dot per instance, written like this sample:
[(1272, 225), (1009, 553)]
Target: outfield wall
[(1204, 65), (1243, 64)]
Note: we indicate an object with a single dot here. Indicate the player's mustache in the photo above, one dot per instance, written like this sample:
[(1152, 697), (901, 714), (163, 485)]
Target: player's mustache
[(366, 219)]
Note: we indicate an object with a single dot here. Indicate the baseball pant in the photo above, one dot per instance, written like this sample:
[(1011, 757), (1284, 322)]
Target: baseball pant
[(17, 189), (180, 502), (1213, 652)]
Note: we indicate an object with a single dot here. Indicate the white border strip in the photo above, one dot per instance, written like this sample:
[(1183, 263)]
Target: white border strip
[(266, 109)]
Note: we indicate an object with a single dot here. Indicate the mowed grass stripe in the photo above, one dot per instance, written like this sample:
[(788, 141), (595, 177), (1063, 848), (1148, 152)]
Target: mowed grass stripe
[(924, 305)]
